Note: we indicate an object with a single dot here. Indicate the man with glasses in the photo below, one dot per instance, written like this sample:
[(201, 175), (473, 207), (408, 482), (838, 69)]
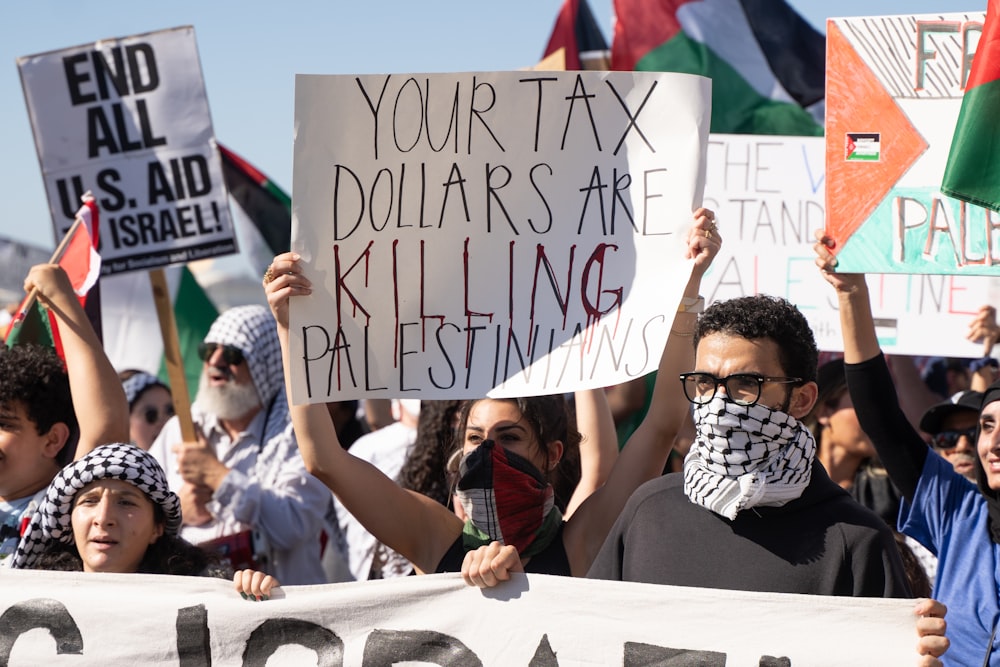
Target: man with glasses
[(753, 509), (243, 486), (952, 427)]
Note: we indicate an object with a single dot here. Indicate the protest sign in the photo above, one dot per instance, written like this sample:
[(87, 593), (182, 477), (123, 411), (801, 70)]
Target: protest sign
[(494, 234), (128, 119), (58, 618), (768, 194), (894, 90)]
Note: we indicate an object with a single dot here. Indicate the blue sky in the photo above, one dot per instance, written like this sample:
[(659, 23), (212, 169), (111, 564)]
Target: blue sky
[(251, 50)]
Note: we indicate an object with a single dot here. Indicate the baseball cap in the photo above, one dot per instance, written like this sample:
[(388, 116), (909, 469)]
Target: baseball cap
[(963, 401)]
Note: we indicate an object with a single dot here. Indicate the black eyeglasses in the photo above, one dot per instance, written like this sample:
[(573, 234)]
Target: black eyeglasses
[(949, 439), (741, 388), (152, 415), (231, 354)]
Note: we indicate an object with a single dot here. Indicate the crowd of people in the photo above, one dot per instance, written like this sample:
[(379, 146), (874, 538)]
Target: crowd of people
[(847, 478)]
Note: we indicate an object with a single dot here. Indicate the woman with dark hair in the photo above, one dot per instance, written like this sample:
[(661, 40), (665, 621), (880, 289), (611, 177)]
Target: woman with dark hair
[(111, 511), (150, 405), (510, 448)]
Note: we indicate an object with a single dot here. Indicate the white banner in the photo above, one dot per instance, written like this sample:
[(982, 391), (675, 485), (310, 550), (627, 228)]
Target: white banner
[(768, 193), (492, 234), (89, 619), (128, 119)]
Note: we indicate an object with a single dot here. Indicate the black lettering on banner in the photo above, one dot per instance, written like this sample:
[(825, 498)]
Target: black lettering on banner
[(648, 654), (631, 118), (274, 633), (194, 648), (42, 613), (385, 648), (771, 661), (114, 72), (544, 655)]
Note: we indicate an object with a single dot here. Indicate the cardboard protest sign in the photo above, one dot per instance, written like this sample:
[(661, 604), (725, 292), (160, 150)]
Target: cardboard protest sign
[(495, 234), (128, 119), (894, 91), (437, 620), (768, 195)]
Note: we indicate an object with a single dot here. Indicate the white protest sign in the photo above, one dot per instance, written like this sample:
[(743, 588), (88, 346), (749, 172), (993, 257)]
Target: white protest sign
[(52, 618), (128, 119), (768, 194), (496, 234)]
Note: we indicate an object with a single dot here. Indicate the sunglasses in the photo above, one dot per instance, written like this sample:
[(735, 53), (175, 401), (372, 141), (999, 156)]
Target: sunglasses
[(232, 355), (949, 439), (152, 415)]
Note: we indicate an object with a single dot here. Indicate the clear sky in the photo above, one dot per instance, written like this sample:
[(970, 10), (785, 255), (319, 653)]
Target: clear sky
[(251, 50)]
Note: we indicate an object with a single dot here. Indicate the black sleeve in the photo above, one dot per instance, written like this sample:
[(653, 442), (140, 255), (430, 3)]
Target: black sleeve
[(898, 444)]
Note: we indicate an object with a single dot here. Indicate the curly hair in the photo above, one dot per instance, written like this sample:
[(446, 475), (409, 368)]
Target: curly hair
[(763, 316), (550, 418), (35, 377), (424, 469)]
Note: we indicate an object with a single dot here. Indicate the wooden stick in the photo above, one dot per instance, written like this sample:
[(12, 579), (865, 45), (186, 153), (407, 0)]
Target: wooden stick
[(172, 354)]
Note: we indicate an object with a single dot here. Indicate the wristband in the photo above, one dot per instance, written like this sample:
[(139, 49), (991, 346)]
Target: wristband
[(691, 304)]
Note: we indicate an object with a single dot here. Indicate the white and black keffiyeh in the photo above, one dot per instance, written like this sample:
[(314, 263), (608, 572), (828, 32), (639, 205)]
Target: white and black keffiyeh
[(252, 330), (744, 456), (138, 383), (52, 521)]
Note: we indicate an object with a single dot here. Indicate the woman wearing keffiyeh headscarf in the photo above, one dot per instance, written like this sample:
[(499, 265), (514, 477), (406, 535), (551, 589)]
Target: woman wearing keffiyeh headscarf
[(957, 521), (509, 449), (111, 511)]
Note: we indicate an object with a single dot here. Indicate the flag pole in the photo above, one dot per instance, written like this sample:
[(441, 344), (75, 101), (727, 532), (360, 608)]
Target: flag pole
[(172, 354), (60, 250)]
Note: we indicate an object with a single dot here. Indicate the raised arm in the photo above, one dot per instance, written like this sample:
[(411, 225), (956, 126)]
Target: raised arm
[(899, 446), (418, 528), (599, 447), (98, 398), (645, 454)]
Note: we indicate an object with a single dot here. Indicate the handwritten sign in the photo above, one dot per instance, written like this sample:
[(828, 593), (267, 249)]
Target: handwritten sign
[(768, 193), (437, 620), (495, 234), (128, 119), (894, 90)]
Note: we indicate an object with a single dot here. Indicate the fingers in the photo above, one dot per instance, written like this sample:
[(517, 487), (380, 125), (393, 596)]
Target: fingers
[(704, 239), (931, 627), (285, 269), (487, 566), (825, 259), (254, 585)]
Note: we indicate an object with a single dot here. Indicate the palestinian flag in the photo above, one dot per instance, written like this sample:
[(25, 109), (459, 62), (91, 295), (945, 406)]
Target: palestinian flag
[(767, 64), (577, 33), (266, 206), (77, 255), (974, 160)]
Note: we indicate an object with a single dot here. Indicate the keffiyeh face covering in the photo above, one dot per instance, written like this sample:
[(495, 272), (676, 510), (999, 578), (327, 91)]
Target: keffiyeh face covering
[(745, 456), (506, 499), (52, 522)]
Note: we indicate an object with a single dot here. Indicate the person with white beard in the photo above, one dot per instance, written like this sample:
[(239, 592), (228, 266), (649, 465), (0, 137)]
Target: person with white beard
[(243, 486)]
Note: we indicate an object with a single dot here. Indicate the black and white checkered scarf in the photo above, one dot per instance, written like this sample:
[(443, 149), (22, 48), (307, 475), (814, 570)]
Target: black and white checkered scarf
[(138, 383), (52, 521), (744, 456), (252, 330)]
